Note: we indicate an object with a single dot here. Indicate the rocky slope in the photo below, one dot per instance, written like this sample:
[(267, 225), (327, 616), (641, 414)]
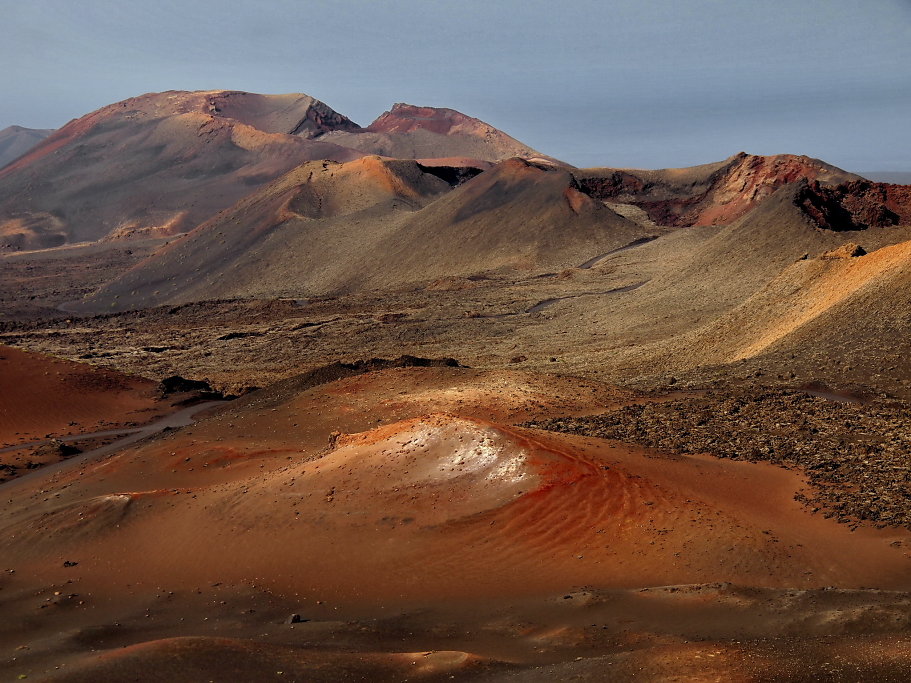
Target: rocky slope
[(856, 205)]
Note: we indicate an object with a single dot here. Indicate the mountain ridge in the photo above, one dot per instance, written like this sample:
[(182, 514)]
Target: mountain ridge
[(159, 164)]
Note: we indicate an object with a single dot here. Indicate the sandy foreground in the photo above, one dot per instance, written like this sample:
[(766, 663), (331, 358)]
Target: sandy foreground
[(398, 525)]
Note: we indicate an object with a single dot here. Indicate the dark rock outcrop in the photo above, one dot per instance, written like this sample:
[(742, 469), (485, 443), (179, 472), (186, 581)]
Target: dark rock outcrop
[(180, 385), (856, 205)]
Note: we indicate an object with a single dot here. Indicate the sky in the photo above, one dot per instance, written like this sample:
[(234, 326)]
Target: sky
[(628, 83)]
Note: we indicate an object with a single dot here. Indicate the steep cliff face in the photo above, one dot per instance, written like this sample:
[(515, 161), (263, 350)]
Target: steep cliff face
[(715, 194), (856, 205)]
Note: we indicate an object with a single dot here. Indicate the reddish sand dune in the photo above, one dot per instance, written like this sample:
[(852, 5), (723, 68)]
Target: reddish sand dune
[(198, 658), (44, 396), (456, 496), (437, 526)]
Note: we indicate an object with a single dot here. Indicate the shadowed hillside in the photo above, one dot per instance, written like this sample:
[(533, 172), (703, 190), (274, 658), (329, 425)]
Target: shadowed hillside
[(16, 141), (377, 223)]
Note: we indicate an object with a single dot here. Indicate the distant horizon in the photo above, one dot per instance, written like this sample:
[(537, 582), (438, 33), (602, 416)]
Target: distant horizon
[(654, 84), (906, 170)]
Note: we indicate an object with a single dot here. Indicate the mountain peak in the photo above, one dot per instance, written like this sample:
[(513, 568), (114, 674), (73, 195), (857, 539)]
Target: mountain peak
[(441, 130), (405, 118)]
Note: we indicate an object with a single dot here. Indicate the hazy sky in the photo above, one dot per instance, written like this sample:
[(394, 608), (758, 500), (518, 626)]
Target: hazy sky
[(648, 83)]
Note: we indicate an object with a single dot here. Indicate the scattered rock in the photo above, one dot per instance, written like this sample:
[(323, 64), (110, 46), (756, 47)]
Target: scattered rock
[(175, 384), (238, 335), (56, 449), (849, 250), (200, 389)]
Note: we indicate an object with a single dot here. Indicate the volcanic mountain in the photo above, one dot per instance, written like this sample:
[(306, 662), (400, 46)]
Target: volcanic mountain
[(410, 132), (162, 163), (158, 164), (16, 141), (432, 521), (378, 223), (520, 216), (707, 294)]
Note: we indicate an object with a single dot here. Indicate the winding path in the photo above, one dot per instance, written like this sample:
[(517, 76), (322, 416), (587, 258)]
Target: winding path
[(181, 418)]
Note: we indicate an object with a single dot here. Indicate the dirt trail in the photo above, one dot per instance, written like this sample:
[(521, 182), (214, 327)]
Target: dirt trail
[(181, 418)]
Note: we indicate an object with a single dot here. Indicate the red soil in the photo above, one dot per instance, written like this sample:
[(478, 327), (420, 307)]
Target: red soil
[(432, 501), (434, 507), (44, 395)]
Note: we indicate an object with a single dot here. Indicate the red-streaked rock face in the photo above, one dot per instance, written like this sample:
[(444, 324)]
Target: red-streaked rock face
[(750, 181), (856, 205), (711, 195)]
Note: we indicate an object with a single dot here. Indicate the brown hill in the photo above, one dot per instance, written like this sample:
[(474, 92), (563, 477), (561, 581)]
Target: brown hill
[(377, 223), (319, 217), (410, 132), (16, 141), (158, 164), (687, 312), (843, 304), (520, 218)]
